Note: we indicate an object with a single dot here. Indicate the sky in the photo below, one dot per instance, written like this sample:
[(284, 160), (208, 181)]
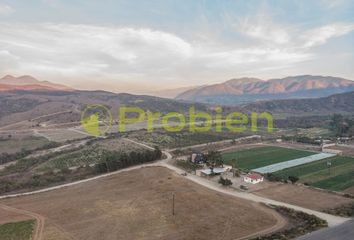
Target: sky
[(143, 46)]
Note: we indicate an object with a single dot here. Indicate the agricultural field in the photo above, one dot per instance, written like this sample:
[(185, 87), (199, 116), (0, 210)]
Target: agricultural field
[(339, 177), (181, 139), (263, 156), (138, 205), (17, 231)]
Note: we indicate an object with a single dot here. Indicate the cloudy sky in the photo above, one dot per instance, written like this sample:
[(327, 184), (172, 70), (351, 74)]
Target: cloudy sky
[(142, 46)]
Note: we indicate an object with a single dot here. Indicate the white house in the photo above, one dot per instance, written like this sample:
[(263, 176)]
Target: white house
[(253, 178)]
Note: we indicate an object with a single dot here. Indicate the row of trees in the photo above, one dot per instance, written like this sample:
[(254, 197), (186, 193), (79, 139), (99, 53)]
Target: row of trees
[(112, 161)]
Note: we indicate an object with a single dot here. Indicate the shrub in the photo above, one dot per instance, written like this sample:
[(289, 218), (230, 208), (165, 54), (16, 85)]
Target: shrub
[(293, 179), (225, 181)]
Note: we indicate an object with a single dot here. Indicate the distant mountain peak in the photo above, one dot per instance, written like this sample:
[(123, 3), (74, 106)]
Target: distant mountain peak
[(7, 77), (27, 82), (256, 89)]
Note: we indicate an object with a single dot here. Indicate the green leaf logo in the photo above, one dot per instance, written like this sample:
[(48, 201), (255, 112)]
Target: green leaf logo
[(96, 120)]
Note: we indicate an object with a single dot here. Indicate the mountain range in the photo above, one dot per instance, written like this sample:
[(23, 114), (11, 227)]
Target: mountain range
[(244, 90), (27, 98), (28, 83)]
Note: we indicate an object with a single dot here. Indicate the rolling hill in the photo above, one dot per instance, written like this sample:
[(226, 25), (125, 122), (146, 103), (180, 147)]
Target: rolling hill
[(244, 90)]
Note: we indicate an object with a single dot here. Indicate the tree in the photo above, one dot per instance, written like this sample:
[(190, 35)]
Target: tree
[(214, 159)]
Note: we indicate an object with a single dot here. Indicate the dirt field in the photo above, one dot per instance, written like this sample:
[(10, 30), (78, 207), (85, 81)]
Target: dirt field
[(7, 217), (138, 204), (302, 196)]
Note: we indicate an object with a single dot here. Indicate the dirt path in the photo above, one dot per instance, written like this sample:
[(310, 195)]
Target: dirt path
[(40, 220)]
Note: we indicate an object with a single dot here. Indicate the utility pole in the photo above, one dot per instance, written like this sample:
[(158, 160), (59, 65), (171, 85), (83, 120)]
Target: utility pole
[(329, 164), (173, 204)]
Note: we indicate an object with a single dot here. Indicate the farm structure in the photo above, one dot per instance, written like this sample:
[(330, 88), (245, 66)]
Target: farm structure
[(253, 178)]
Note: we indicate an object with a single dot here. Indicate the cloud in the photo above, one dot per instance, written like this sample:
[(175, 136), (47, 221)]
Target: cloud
[(6, 10), (263, 28), (331, 4), (321, 35), (114, 56)]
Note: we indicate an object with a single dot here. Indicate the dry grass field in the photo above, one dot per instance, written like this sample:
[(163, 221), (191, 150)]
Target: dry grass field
[(137, 205), (302, 196)]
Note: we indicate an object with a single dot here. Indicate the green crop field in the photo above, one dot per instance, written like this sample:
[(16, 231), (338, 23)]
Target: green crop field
[(339, 177), (263, 156), (17, 231)]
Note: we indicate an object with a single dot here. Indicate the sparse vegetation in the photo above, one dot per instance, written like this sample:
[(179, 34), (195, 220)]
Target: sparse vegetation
[(302, 223), (346, 210)]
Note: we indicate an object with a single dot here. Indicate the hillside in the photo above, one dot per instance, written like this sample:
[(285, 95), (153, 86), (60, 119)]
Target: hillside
[(19, 106), (338, 103), (243, 90)]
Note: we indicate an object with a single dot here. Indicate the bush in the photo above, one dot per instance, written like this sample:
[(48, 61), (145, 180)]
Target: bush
[(293, 179), (273, 178), (225, 181)]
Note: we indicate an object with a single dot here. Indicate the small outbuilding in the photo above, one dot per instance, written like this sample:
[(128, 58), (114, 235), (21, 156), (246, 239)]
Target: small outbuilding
[(253, 178)]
